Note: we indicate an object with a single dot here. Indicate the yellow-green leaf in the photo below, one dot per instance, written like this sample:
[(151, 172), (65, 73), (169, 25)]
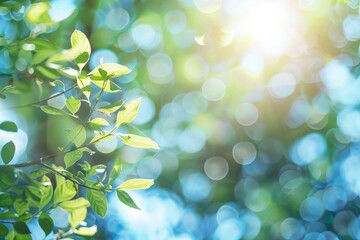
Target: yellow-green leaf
[(64, 192), (111, 107), (112, 70), (77, 216), (80, 42), (73, 104), (75, 204), (52, 111), (115, 171), (86, 231), (138, 141), (98, 122), (84, 86), (135, 184), (107, 85), (129, 113), (77, 135)]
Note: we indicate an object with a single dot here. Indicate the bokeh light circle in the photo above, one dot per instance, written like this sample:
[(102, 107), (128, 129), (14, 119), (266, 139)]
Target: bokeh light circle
[(244, 153), (246, 114), (216, 168)]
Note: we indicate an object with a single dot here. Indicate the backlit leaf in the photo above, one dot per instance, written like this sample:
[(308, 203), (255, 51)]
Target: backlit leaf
[(135, 184), (64, 192), (77, 216), (138, 141), (52, 110), (77, 135), (112, 70), (98, 122), (115, 171), (80, 42), (84, 86), (107, 85), (86, 231), (111, 107), (129, 113), (75, 204), (73, 104)]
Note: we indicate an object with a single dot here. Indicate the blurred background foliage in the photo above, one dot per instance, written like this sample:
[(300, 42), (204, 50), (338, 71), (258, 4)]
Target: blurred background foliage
[(253, 103)]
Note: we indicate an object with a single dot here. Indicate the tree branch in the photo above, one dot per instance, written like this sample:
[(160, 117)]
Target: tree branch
[(43, 100)]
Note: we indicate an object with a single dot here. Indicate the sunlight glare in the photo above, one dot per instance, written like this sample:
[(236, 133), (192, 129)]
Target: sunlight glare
[(270, 26)]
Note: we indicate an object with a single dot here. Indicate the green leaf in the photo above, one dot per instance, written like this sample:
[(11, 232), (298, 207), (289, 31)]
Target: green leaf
[(77, 216), (80, 42), (101, 137), (59, 84), (125, 198), (84, 86), (39, 172), (96, 169), (97, 201), (21, 206), (8, 152), (86, 231), (52, 110), (111, 108), (129, 113), (5, 200), (25, 217), (46, 223), (8, 126), (64, 192), (112, 70), (72, 157), (47, 192), (75, 204), (77, 135), (47, 72), (107, 85), (138, 141), (115, 171), (98, 122), (3, 230), (8, 215), (80, 51), (21, 227), (135, 184), (8, 175), (73, 104)]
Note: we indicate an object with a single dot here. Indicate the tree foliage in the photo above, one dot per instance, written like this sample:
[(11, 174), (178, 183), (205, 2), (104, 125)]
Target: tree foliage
[(25, 194)]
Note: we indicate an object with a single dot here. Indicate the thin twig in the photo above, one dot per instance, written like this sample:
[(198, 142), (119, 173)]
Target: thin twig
[(42, 100), (88, 116), (21, 165), (69, 178)]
